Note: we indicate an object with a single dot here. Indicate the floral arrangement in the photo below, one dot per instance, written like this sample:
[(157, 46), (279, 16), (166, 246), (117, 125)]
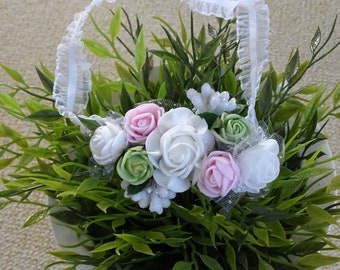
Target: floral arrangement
[(159, 153), (177, 164)]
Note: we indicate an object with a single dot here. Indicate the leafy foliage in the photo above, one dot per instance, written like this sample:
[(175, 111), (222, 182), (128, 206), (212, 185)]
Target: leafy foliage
[(285, 229)]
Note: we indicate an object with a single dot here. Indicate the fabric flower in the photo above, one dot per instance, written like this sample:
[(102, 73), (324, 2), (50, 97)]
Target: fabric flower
[(153, 196), (135, 166), (259, 166), (219, 174), (141, 121), (211, 101), (231, 129), (108, 143), (176, 146)]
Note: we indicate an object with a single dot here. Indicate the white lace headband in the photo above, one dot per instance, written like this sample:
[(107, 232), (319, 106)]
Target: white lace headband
[(73, 78)]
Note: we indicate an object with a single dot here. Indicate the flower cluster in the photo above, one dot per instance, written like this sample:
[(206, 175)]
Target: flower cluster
[(161, 153)]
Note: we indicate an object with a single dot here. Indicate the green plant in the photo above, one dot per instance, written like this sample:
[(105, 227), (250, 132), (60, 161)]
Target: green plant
[(283, 227)]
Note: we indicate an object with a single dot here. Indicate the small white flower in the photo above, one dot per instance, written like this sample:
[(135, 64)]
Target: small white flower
[(108, 143), (259, 166), (153, 196), (211, 101)]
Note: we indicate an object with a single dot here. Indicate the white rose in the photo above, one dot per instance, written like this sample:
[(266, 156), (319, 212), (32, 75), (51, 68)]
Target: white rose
[(259, 166), (108, 143), (176, 146)]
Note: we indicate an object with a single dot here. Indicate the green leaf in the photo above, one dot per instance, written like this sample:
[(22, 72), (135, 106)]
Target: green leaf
[(183, 28), (231, 256), (313, 105), (72, 256), (115, 24), (292, 66), (123, 73), (35, 218), (117, 223), (230, 82), (288, 109), (317, 260), (5, 131), (208, 51), (178, 48), (209, 118), (47, 116), (125, 101), (46, 72), (140, 50), (320, 219), (9, 193), (134, 189), (315, 41), (167, 56), (262, 235), (88, 184), (162, 91), (319, 214), (263, 265), (142, 248), (89, 123), (4, 163), (97, 48), (181, 265), (307, 247), (155, 237), (336, 95), (334, 184), (35, 105), (66, 216), (169, 84), (9, 102), (105, 247), (210, 262), (276, 229), (290, 202), (202, 35), (309, 89), (3, 205), (265, 96), (130, 238), (299, 73), (268, 214), (45, 80), (14, 74), (62, 173), (103, 205)]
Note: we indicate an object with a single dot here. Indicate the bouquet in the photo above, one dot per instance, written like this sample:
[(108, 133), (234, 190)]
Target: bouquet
[(193, 159)]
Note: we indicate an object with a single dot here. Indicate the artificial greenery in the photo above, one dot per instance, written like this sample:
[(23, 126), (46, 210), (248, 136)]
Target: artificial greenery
[(284, 227)]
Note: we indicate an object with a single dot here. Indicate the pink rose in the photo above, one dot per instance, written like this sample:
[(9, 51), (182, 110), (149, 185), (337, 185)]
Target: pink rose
[(219, 174), (141, 121)]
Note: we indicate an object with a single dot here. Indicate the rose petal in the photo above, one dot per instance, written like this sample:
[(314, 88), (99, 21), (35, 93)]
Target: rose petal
[(270, 145), (171, 182)]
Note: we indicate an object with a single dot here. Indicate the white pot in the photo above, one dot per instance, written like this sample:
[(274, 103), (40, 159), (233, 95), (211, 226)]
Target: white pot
[(66, 238)]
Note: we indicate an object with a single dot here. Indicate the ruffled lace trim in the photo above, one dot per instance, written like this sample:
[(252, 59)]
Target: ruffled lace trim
[(72, 76), (253, 35), (222, 9)]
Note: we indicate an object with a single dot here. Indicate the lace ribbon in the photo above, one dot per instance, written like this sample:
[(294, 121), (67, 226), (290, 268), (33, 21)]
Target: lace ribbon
[(73, 77)]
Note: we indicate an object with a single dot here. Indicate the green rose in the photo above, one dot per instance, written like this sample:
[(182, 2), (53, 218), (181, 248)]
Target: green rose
[(231, 129), (134, 166)]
